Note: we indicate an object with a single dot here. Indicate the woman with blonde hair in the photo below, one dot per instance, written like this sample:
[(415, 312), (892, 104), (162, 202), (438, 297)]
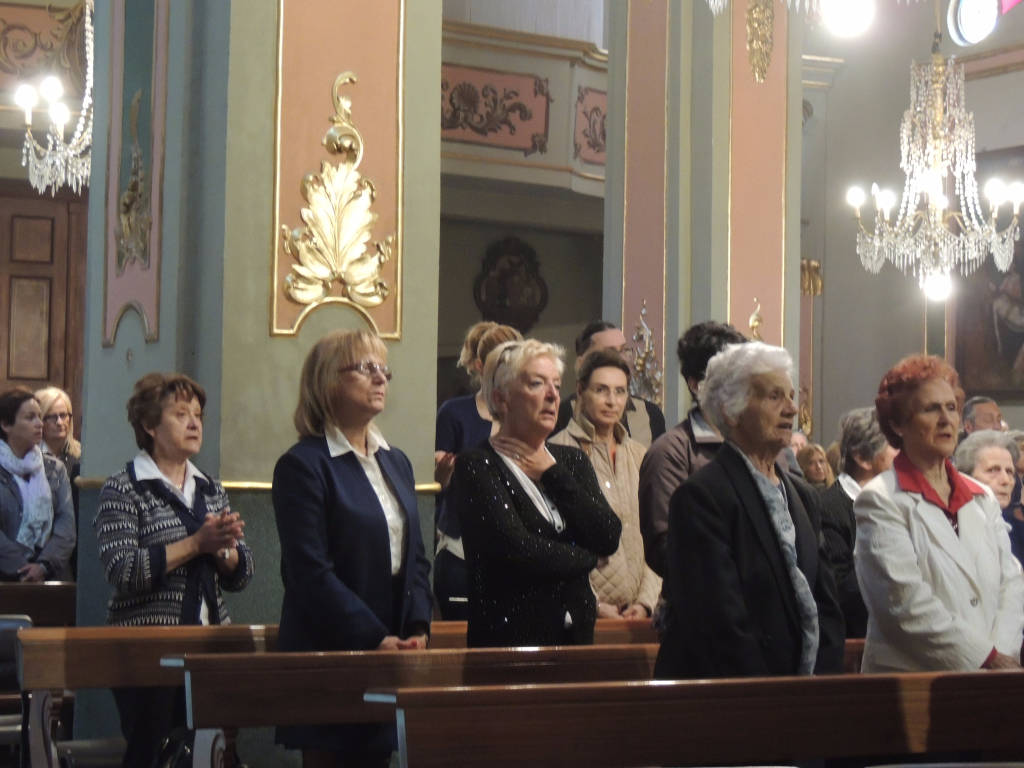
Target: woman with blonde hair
[(462, 423), (58, 434), (352, 560), (815, 466), (534, 520)]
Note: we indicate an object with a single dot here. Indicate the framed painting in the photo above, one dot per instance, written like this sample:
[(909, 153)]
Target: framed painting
[(987, 315)]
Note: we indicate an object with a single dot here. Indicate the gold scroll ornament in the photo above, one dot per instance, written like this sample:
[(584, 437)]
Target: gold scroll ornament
[(760, 23), (332, 248)]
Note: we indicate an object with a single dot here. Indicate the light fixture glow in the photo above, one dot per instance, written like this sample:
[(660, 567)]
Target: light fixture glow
[(995, 191), (51, 89), (937, 286), (60, 114), (971, 21), (855, 197), (847, 18)]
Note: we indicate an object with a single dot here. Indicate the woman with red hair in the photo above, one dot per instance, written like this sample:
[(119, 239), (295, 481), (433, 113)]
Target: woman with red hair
[(933, 556)]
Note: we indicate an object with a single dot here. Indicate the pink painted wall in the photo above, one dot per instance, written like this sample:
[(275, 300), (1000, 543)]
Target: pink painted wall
[(319, 40), (757, 178), (643, 251)]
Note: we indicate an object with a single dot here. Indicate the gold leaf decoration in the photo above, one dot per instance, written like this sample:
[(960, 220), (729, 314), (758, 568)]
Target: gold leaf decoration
[(333, 249), (760, 38)]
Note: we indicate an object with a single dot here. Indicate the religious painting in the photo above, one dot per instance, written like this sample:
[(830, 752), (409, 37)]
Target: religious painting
[(987, 315)]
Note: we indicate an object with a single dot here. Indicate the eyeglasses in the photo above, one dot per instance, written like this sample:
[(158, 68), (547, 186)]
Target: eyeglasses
[(53, 418), (368, 368)]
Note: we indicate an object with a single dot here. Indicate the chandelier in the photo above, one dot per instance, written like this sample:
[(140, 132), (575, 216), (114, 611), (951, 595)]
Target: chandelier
[(60, 162), (928, 237)]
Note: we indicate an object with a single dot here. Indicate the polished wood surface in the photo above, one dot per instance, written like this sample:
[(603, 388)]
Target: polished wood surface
[(104, 657), (48, 603), (243, 690), (708, 722), (452, 634)]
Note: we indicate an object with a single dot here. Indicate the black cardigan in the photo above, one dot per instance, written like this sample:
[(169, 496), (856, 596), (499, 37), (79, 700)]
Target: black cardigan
[(523, 575)]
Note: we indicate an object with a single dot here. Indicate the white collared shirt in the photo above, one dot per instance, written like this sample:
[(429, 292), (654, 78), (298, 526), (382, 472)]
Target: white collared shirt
[(849, 485), (338, 445), (146, 469)]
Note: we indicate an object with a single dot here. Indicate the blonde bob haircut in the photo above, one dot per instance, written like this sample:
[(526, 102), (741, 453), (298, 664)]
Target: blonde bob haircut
[(320, 372), (506, 363), (48, 397)]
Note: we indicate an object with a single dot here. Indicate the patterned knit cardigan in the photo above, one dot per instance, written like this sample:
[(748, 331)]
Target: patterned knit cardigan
[(133, 527)]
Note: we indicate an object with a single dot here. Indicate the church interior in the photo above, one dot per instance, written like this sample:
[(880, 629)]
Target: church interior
[(655, 163)]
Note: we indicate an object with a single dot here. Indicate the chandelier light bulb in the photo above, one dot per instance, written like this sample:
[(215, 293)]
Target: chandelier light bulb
[(937, 286), (941, 201), (51, 89), (26, 97), (847, 18), (996, 192), (886, 201), (60, 115), (1016, 193), (855, 197)]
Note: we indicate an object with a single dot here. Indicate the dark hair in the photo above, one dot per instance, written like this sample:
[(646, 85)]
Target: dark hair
[(591, 328), (600, 358), (899, 385), (10, 403), (700, 343), (860, 437), (973, 403), (151, 393)]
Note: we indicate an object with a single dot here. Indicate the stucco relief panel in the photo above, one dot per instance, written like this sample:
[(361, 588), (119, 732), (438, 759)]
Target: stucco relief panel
[(505, 110)]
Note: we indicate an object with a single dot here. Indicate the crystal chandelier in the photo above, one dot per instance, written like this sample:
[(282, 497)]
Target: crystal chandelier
[(60, 162), (928, 238)]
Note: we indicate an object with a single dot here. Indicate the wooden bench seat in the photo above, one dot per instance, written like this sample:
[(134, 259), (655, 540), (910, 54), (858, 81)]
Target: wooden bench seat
[(707, 722), (292, 688), (47, 603), (452, 634)]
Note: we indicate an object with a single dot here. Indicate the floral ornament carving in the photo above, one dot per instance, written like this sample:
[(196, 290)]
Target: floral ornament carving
[(647, 378), (811, 282), (25, 52), (486, 110), (133, 213), (760, 30), (333, 248), (594, 130)]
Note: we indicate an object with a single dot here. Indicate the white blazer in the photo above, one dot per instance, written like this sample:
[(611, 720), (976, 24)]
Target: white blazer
[(936, 601)]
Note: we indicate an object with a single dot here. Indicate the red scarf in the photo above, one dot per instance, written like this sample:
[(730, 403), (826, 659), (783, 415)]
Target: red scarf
[(911, 479)]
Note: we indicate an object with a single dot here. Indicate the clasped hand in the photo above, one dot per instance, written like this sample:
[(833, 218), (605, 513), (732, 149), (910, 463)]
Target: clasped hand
[(220, 532)]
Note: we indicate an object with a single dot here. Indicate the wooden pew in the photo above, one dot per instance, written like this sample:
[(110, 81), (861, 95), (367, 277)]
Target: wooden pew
[(48, 603), (452, 634), (708, 722), (59, 659), (291, 688)]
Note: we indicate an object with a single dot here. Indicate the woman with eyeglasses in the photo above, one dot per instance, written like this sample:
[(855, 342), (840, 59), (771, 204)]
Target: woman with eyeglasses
[(37, 520), (352, 560), (534, 520), (58, 436), (626, 586)]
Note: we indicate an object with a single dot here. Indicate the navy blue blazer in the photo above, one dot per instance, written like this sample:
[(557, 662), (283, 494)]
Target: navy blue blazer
[(335, 552)]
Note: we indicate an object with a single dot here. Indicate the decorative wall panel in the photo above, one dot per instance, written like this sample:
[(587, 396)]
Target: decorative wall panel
[(32, 240), (29, 324), (318, 39), (589, 144), (37, 41), (135, 162), (508, 110)]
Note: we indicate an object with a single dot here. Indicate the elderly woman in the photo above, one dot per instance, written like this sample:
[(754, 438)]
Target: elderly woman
[(534, 520), (991, 456), (168, 542), (866, 453), (626, 587), (750, 593), (814, 464), (37, 519), (352, 560), (58, 438), (933, 557), (462, 423)]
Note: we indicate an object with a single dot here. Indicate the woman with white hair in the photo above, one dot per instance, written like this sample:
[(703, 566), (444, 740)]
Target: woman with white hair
[(864, 453), (751, 595), (990, 456), (534, 520)]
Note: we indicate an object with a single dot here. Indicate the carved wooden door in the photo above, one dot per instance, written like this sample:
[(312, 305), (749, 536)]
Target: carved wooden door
[(42, 268)]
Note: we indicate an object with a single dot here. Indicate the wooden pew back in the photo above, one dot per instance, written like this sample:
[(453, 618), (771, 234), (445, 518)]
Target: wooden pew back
[(291, 688), (452, 634), (48, 603), (707, 722)]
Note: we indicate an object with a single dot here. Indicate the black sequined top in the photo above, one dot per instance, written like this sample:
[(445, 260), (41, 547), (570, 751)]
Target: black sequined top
[(523, 575)]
